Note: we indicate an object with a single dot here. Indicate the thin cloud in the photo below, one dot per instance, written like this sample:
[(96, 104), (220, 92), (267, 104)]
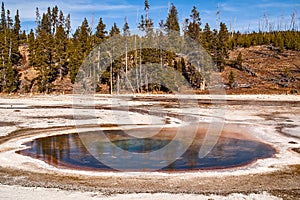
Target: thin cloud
[(208, 12), (100, 7), (226, 7), (158, 7), (277, 5), (27, 9)]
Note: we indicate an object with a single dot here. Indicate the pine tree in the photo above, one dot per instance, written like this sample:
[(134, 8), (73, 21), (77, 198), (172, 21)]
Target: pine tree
[(61, 42), (61, 20), (79, 48), (9, 35), (279, 42), (68, 25), (31, 47), (223, 39), (141, 25), (15, 40), (84, 37), (43, 61), (126, 31), (3, 44), (46, 23), (49, 22), (207, 39), (172, 30), (193, 28), (172, 20), (17, 25), (3, 18), (75, 58), (54, 18), (37, 19), (221, 47), (101, 33), (126, 34), (231, 79), (43, 53), (23, 37), (147, 6), (9, 53), (148, 23), (11, 79), (114, 30), (239, 61)]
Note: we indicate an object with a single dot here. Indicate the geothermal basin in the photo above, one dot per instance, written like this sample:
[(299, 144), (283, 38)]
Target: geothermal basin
[(111, 150), (162, 147)]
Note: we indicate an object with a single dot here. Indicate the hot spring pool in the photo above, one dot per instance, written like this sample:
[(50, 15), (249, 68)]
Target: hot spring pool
[(70, 151)]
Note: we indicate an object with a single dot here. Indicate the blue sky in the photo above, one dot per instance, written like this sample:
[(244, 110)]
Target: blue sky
[(244, 15)]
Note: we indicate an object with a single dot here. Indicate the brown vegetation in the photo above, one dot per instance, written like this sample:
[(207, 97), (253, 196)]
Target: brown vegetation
[(265, 71)]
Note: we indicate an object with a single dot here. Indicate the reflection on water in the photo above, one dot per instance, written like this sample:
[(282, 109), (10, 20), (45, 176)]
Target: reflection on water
[(69, 151), (139, 145)]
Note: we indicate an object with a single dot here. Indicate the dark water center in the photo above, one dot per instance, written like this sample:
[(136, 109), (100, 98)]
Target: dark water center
[(69, 151)]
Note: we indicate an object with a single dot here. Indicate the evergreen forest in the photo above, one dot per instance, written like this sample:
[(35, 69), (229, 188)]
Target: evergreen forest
[(56, 53)]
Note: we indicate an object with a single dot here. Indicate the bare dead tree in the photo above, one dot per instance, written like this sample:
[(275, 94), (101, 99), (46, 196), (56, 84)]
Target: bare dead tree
[(93, 21), (293, 20), (266, 17), (279, 23), (248, 31), (271, 26), (218, 16), (135, 57), (232, 24)]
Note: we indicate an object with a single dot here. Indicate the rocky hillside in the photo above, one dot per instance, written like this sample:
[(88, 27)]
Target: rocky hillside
[(28, 76), (264, 71)]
